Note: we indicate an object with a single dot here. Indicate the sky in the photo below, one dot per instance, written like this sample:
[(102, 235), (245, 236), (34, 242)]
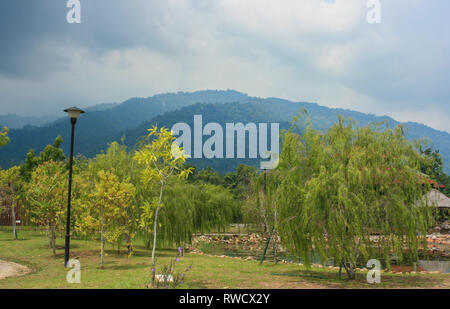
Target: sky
[(302, 50)]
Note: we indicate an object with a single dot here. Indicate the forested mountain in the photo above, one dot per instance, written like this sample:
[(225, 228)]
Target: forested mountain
[(99, 127), (132, 118), (14, 121)]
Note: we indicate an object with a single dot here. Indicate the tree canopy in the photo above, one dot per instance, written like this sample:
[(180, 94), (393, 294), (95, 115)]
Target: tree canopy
[(338, 187)]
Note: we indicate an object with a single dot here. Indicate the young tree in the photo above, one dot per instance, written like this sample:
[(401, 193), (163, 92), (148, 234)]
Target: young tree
[(161, 158), (117, 159), (111, 198), (9, 186), (46, 195), (340, 186)]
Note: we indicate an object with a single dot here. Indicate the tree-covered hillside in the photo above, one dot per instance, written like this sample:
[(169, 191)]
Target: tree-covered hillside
[(132, 118), (100, 125)]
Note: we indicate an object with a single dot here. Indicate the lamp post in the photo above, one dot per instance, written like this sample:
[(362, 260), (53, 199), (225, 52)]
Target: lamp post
[(74, 113)]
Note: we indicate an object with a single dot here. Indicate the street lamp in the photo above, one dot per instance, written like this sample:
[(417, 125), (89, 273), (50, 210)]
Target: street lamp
[(74, 113)]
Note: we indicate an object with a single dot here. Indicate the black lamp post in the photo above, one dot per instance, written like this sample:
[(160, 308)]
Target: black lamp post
[(74, 113)]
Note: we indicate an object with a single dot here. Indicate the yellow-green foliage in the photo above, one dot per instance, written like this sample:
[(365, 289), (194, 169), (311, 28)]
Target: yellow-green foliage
[(112, 198), (4, 139), (9, 185), (340, 186), (46, 194)]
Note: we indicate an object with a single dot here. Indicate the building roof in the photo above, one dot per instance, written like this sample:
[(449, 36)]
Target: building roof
[(437, 199)]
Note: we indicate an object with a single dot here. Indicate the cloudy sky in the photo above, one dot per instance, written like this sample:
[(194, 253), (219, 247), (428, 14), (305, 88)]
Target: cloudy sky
[(302, 50)]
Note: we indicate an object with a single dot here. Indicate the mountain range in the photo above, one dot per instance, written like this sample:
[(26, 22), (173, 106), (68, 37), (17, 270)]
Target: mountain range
[(130, 120)]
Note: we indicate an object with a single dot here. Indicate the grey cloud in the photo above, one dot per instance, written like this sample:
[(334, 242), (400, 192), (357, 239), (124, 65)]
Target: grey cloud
[(402, 64)]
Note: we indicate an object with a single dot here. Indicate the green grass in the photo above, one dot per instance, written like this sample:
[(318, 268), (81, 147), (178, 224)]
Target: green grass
[(207, 272)]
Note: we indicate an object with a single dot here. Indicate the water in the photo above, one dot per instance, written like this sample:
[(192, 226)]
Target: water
[(436, 265), (256, 251)]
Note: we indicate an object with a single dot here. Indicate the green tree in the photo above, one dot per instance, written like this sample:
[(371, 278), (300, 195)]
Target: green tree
[(160, 158), (51, 153), (112, 198), (46, 195), (260, 205), (239, 182), (432, 165), (119, 161), (9, 187), (339, 187), (4, 139)]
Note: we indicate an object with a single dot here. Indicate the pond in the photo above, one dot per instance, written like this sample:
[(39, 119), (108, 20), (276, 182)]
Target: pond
[(255, 251)]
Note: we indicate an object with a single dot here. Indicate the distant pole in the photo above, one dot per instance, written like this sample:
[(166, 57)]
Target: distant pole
[(74, 113)]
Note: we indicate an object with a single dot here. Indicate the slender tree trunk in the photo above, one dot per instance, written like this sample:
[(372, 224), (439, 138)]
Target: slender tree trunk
[(129, 245), (275, 238), (275, 243), (53, 240), (102, 239), (13, 215), (155, 233)]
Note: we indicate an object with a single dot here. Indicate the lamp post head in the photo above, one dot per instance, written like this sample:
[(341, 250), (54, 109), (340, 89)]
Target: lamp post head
[(74, 112)]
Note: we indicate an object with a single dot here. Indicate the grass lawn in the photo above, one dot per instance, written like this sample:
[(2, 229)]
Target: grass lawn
[(120, 271)]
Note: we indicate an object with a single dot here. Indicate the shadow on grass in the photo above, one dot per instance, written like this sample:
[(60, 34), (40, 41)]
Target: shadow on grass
[(388, 280), (128, 267), (196, 284), (20, 239)]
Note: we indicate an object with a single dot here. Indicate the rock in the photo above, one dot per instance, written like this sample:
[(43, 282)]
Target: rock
[(317, 265)]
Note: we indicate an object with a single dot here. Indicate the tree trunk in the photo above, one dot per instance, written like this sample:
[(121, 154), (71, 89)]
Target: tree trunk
[(129, 245), (54, 241), (155, 233), (49, 234), (102, 239), (275, 243), (350, 269), (13, 214)]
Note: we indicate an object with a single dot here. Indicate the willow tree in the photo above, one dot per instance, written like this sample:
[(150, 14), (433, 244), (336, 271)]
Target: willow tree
[(260, 206), (189, 208), (161, 158), (341, 186)]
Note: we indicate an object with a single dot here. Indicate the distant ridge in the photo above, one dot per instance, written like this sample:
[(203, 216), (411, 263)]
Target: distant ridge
[(109, 122), (14, 121)]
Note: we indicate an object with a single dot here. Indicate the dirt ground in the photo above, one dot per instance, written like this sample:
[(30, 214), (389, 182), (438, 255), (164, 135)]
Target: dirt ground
[(10, 269)]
